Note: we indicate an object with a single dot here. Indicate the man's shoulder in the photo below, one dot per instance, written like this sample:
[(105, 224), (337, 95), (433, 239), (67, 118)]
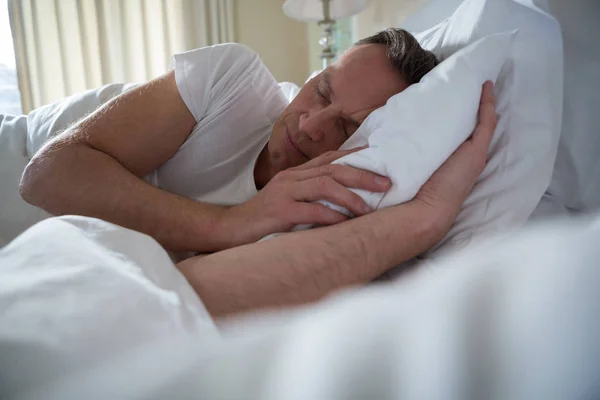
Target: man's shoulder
[(231, 52), (238, 49), (224, 76)]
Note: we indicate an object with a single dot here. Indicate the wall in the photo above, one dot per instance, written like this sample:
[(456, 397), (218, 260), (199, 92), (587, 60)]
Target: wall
[(383, 14), (281, 42)]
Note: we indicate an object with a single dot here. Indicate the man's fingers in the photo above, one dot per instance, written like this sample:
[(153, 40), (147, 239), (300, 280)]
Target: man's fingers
[(487, 118), (486, 125), (348, 176), (487, 93), (326, 188), (487, 106), (326, 158)]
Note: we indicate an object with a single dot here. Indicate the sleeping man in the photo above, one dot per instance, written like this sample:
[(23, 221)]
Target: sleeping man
[(211, 157)]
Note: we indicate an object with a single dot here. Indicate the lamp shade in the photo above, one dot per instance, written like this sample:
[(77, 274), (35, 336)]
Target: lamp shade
[(312, 10)]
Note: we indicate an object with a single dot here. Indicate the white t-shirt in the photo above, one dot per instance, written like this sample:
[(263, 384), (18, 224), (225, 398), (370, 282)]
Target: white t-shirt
[(235, 101)]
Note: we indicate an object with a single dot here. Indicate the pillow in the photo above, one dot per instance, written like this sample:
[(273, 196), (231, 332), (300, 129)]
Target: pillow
[(289, 90), (523, 150), (432, 13), (435, 11), (417, 130), (15, 214), (529, 100), (576, 180)]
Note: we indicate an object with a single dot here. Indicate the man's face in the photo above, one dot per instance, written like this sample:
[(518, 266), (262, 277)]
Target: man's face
[(331, 106)]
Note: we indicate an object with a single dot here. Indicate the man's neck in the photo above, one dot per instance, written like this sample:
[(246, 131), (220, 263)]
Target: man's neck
[(263, 172)]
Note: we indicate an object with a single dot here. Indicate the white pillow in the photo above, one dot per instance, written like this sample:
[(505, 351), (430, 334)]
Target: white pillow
[(431, 14), (417, 130), (523, 150), (576, 180), (435, 11)]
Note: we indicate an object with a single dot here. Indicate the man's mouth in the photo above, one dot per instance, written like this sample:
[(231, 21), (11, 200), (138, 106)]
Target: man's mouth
[(291, 143)]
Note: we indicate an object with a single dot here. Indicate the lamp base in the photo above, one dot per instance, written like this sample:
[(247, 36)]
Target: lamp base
[(326, 41)]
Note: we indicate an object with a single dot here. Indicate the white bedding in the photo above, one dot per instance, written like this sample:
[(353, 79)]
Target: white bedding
[(76, 292), (91, 310), (576, 180), (15, 214)]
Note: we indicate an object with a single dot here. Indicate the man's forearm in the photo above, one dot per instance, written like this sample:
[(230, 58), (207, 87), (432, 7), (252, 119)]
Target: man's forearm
[(84, 181), (304, 266)]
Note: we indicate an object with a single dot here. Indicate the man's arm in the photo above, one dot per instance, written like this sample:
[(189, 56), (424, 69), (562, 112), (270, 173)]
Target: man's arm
[(304, 266), (94, 168)]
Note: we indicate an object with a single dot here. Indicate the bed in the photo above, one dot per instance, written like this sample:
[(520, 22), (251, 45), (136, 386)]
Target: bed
[(521, 316)]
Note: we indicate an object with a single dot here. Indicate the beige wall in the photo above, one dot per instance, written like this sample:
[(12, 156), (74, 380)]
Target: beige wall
[(281, 42), (382, 14)]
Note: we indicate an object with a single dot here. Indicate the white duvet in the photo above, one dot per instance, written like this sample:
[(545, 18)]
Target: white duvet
[(89, 310), (76, 292)]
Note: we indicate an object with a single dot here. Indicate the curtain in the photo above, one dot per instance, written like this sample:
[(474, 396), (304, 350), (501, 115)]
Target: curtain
[(67, 46)]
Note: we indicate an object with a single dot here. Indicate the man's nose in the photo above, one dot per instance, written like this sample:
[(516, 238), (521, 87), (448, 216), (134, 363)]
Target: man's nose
[(314, 124)]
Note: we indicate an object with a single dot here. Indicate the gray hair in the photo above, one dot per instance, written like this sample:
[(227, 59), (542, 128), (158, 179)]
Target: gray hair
[(404, 52)]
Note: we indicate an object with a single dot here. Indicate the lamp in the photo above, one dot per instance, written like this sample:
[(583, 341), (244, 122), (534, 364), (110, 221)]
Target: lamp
[(325, 12)]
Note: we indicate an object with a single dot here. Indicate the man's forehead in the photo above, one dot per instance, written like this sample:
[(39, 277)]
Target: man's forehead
[(362, 80), (362, 53)]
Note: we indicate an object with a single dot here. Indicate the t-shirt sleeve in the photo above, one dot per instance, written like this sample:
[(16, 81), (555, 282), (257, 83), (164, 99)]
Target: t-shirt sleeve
[(209, 77)]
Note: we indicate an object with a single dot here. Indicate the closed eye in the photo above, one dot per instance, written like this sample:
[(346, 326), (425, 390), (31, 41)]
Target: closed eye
[(321, 94)]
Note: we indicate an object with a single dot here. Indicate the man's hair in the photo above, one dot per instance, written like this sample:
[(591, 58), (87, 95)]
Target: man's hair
[(404, 52)]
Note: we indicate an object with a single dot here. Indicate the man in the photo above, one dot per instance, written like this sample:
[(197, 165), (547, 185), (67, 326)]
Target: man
[(216, 129)]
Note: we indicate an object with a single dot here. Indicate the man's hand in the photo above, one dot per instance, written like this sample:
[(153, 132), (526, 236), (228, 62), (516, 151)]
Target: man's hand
[(289, 199), (447, 189)]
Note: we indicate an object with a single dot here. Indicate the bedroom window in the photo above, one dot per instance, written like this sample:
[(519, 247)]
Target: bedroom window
[(10, 97)]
